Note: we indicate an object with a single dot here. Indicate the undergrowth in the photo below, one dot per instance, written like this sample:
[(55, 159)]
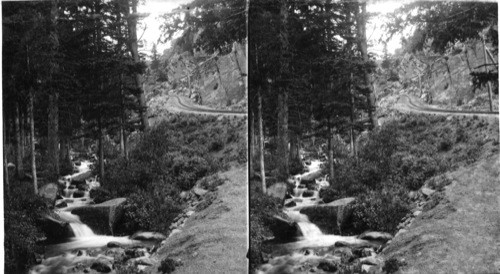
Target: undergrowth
[(166, 160), (400, 157)]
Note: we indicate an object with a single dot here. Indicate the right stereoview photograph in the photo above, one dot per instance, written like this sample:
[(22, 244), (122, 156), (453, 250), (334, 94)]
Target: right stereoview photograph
[(373, 137)]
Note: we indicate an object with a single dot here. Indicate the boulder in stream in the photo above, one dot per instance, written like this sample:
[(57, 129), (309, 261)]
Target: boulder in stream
[(284, 230), (148, 236), (376, 236), (332, 217), (55, 230), (49, 191), (278, 190), (101, 218), (102, 265)]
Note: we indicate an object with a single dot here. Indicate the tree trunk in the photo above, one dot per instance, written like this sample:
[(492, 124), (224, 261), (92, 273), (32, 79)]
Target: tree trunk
[(22, 131), (101, 151), (363, 46), (490, 97), (5, 163), (228, 101), (330, 152), (64, 156), (19, 157), (125, 144), (352, 117), (133, 47), (294, 147), (283, 165), (251, 144), (53, 137), (261, 143), (32, 141)]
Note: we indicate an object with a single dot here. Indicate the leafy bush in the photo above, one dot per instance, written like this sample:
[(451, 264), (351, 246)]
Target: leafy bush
[(167, 265), (100, 195), (211, 182), (21, 210), (380, 211), (262, 209), (392, 265), (145, 211)]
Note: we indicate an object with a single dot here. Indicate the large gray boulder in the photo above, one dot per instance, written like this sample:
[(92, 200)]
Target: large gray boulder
[(148, 236), (278, 190), (101, 218), (333, 217), (49, 191), (55, 230), (376, 236), (284, 230)]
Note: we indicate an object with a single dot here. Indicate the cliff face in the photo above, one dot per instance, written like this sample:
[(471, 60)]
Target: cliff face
[(444, 79), (213, 80)]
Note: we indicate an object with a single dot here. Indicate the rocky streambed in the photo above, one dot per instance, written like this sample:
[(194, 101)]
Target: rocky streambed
[(310, 240), (80, 233)]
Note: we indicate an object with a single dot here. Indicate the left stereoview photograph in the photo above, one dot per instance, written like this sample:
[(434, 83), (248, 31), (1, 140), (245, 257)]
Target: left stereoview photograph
[(124, 136)]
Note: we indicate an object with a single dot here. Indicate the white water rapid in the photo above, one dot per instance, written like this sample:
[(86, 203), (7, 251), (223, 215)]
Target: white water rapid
[(60, 258), (313, 238)]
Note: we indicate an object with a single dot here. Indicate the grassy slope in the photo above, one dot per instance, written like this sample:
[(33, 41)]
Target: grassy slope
[(462, 235), (215, 239)]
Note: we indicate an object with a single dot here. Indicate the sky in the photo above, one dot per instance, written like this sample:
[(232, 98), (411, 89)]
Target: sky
[(374, 30), (152, 22), (157, 7)]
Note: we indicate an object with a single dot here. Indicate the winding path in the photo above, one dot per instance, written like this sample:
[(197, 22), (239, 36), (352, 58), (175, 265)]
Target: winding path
[(183, 104), (405, 102)]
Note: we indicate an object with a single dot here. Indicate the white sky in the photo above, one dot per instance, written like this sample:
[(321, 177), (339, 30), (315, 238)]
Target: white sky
[(157, 7), (153, 22), (374, 30)]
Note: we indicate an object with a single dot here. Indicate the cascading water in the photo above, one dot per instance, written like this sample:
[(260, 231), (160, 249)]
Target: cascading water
[(62, 256), (312, 236)]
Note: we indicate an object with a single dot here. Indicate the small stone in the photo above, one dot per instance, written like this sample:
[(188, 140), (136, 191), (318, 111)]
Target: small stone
[(372, 260), (114, 244), (327, 266), (290, 204), (376, 236), (189, 213), (427, 191), (401, 232), (416, 213), (148, 236), (102, 265)]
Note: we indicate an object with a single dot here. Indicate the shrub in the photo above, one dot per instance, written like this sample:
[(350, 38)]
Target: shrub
[(262, 209), (391, 265), (148, 212), (100, 195), (21, 210), (211, 182), (167, 265), (379, 211)]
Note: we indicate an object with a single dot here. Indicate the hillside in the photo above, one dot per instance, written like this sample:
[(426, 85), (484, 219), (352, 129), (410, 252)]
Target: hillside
[(215, 80), (453, 227)]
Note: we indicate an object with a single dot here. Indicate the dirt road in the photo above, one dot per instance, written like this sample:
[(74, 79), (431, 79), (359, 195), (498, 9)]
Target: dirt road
[(407, 103)]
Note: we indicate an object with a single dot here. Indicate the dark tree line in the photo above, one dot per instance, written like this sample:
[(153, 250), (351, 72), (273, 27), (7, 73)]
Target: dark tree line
[(71, 69), (308, 62)]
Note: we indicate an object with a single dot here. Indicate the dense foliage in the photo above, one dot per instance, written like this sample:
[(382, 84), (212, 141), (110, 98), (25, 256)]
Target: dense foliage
[(262, 209), (399, 158), (166, 160), (21, 211)]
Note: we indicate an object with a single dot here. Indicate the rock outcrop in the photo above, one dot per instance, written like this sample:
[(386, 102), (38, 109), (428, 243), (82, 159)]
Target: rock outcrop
[(278, 190), (331, 218), (284, 230), (101, 218), (49, 191)]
